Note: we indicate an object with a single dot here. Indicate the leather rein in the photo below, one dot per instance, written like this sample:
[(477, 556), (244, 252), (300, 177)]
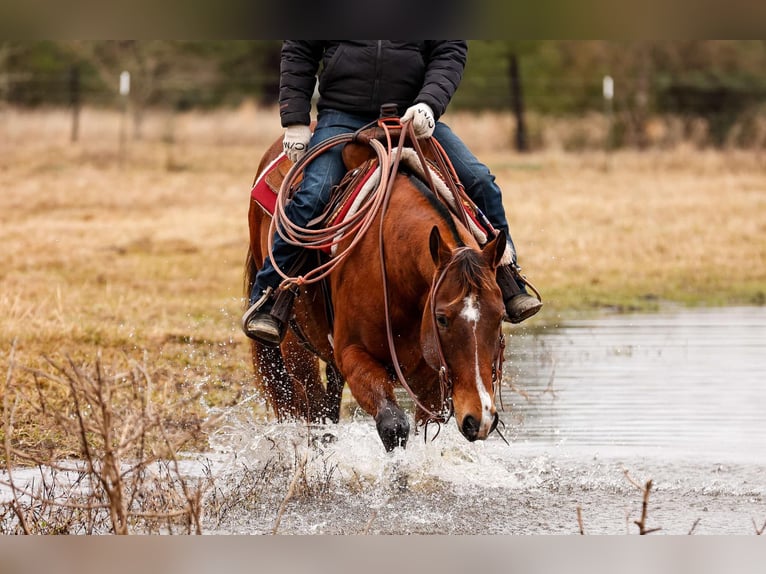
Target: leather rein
[(355, 226), (445, 374)]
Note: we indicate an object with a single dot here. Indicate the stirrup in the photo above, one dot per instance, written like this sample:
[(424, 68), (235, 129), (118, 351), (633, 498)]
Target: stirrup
[(519, 305), (255, 307), (516, 270), (265, 329), (269, 327)]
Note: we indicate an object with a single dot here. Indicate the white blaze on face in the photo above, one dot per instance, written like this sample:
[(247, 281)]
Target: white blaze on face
[(470, 310), (471, 314)]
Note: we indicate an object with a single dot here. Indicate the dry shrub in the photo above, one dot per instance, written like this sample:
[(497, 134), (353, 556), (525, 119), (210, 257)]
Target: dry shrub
[(121, 471), (125, 475), (245, 490)]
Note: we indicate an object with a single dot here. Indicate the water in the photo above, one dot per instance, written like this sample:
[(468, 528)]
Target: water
[(594, 409), (689, 382)]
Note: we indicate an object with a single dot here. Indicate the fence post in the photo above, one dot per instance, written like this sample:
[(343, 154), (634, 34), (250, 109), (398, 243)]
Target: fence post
[(74, 101), (124, 92), (608, 91)]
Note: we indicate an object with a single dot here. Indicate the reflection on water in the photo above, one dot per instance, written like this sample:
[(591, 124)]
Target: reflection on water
[(689, 381)]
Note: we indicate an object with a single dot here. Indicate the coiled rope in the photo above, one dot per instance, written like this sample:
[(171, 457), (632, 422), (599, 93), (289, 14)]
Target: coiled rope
[(353, 226)]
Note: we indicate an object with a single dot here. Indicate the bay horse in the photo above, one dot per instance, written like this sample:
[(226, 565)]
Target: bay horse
[(438, 314)]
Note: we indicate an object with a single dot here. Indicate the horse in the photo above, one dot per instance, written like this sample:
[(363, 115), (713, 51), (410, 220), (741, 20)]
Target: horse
[(424, 311)]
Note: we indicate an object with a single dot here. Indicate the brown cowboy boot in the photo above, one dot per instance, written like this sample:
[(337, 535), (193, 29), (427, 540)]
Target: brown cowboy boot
[(519, 305), (266, 320)]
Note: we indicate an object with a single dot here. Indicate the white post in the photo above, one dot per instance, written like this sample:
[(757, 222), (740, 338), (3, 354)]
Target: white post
[(124, 93), (608, 91)]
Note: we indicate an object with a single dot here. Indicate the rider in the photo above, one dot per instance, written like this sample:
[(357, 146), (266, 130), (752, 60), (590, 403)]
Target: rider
[(357, 77)]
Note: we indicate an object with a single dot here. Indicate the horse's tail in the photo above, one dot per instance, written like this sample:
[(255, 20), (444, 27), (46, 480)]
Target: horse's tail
[(251, 270)]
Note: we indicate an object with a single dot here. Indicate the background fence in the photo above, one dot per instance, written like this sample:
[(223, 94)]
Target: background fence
[(718, 85)]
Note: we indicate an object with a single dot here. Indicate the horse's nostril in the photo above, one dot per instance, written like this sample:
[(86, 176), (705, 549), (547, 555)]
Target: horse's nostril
[(470, 428)]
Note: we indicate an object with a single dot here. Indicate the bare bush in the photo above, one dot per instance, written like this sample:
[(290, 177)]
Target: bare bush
[(125, 475)]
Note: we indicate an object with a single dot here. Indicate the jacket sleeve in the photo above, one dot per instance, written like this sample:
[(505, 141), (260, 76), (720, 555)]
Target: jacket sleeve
[(297, 77), (445, 62)]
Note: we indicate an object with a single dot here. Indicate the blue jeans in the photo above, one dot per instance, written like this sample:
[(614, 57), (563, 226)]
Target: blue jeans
[(327, 170), (478, 181)]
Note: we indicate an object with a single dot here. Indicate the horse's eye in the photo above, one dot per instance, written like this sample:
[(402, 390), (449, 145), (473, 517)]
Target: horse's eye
[(442, 321)]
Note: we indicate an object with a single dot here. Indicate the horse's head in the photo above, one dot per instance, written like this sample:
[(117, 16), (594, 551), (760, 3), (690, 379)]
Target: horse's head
[(461, 331)]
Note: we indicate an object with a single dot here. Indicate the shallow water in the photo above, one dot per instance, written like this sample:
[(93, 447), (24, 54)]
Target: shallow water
[(689, 382), (593, 410), (674, 397)]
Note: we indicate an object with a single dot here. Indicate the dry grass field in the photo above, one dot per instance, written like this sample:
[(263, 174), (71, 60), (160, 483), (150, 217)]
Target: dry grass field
[(139, 257)]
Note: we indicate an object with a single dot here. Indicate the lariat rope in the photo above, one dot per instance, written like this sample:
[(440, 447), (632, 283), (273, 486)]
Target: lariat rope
[(445, 382), (356, 226)]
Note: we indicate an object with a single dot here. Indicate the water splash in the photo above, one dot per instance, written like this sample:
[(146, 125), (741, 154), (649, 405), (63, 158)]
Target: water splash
[(572, 443)]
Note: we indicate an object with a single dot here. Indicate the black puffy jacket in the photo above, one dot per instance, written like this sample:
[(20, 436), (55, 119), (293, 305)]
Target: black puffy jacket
[(359, 76)]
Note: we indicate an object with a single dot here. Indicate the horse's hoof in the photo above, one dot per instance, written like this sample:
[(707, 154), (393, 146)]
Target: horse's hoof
[(393, 427)]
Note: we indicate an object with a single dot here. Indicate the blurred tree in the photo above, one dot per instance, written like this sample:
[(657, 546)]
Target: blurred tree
[(7, 51), (34, 73), (152, 66), (251, 69), (716, 80), (720, 80)]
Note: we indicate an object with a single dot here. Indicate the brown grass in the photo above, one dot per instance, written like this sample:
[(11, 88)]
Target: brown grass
[(142, 255), (682, 226), (126, 475)]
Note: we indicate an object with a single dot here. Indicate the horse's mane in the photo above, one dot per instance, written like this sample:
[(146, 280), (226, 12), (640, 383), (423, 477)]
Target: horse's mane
[(473, 274), (438, 206), (472, 271)]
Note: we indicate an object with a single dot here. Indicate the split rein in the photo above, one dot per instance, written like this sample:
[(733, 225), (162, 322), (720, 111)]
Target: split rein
[(355, 226)]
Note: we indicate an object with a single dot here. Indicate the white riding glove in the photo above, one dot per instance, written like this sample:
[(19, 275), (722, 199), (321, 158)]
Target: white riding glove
[(296, 141), (422, 117)]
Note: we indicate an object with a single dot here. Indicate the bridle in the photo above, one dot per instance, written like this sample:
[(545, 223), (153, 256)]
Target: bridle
[(445, 375), (356, 227), (446, 384)]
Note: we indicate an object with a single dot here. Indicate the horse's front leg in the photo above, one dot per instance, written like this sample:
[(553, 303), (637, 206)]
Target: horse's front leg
[(372, 388)]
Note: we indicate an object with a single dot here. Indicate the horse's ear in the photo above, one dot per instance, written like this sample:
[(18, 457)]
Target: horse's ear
[(439, 251), (495, 249)]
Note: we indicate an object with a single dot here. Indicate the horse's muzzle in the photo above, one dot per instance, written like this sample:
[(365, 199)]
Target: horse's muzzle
[(471, 427)]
